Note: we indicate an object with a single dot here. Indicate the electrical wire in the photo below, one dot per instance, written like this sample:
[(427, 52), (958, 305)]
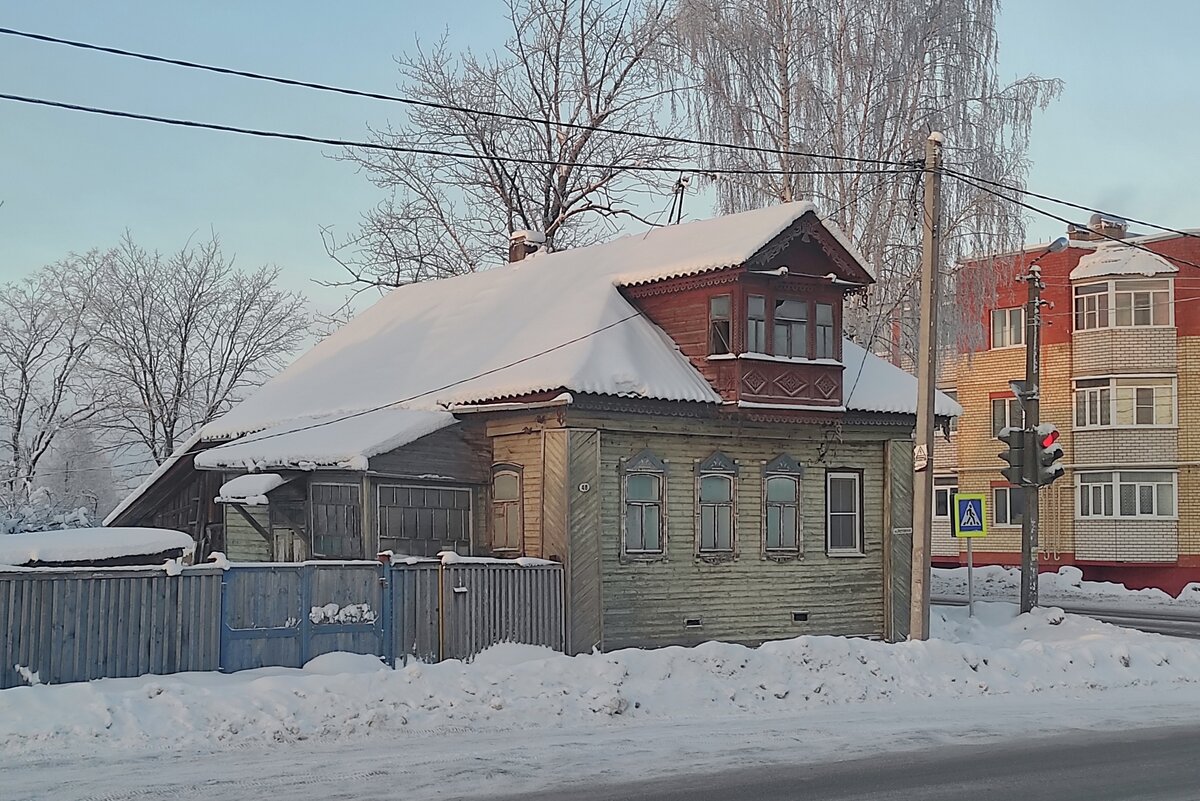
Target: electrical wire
[(411, 101), (428, 151)]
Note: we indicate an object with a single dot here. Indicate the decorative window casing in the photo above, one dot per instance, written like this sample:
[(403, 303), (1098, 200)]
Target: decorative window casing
[(1006, 413), (1124, 303), (844, 513), (643, 491), (507, 512), (1147, 494), (1008, 506), (336, 520), (420, 520), (783, 528), (716, 489), (1134, 401), (756, 324), (1008, 327), (720, 325), (944, 489)]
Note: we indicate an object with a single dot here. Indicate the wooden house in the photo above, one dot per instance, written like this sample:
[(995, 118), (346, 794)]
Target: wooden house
[(674, 415)]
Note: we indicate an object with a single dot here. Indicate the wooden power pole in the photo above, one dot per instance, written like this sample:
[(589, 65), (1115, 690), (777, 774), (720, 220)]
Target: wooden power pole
[(918, 627)]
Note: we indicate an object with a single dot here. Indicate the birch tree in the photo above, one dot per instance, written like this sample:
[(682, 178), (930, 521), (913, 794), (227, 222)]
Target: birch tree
[(43, 343), (179, 338), (592, 63), (866, 79)]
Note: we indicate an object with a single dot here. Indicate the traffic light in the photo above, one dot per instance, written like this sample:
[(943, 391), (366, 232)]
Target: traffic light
[(1014, 454), (1045, 439)]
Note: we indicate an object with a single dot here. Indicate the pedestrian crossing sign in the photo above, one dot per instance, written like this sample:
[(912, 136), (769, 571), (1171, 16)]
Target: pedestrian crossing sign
[(970, 514)]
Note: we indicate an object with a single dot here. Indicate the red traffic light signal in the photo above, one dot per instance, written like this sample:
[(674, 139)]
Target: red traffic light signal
[(1048, 438)]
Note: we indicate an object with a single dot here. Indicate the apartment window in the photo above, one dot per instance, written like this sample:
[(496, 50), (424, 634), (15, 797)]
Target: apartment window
[(421, 521), (1141, 303), (642, 485), (1006, 413), (336, 521), (719, 326), (1132, 401), (1008, 327), (506, 508), (1008, 506), (1137, 494), (715, 482), (781, 504), (791, 328), (756, 324), (1126, 303), (944, 489), (843, 504)]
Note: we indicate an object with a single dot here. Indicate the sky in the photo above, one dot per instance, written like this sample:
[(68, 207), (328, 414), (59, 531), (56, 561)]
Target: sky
[(1121, 136)]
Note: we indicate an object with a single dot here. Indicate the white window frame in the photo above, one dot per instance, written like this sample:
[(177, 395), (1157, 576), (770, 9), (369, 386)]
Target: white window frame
[(797, 507), (1010, 403), (1109, 492), (1008, 518), (1106, 313), (1121, 393), (1002, 322), (644, 463), (947, 486), (859, 548)]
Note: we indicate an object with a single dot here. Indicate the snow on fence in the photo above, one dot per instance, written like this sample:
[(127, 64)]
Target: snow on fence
[(80, 624)]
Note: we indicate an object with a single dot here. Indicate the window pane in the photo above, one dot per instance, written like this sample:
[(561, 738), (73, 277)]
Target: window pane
[(1162, 308), (505, 487), (1105, 406), (1128, 500), (718, 337), (718, 307), (514, 526), (708, 527), (998, 339), (650, 527), (1016, 418), (1016, 325), (1146, 499), (1000, 506), (1080, 408), (1145, 406), (781, 489), (774, 526), (633, 527), (842, 534), (843, 495), (791, 310), (941, 503), (790, 527), (1085, 497), (756, 306), (641, 487), (1166, 499), (725, 527), (756, 336), (799, 340), (824, 314), (1125, 406), (999, 419), (1124, 308), (715, 489), (1164, 406)]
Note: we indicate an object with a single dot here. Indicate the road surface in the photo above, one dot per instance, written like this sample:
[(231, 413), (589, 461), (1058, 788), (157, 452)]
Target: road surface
[(1161, 764), (1173, 622)]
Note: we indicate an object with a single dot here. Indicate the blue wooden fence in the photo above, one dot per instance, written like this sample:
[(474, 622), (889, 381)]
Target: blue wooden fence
[(76, 625)]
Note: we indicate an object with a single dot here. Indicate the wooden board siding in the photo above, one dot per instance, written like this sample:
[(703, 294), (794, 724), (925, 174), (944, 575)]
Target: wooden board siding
[(750, 599), (458, 452), (898, 534), (583, 561), (242, 542), (524, 450), (554, 494)]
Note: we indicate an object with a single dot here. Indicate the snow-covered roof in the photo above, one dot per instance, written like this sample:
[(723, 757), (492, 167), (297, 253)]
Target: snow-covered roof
[(154, 476), (90, 544), (551, 322), (336, 440), (1115, 259), (873, 384), (251, 489)]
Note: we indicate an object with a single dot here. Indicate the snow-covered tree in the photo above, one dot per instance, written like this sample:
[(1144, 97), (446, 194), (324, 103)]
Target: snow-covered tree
[(178, 338), (43, 342), (584, 62), (866, 79)]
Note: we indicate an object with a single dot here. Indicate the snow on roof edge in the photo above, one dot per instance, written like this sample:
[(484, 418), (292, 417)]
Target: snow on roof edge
[(154, 476)]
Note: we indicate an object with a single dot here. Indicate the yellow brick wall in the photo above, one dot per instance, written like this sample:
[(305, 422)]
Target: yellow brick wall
[(1189, 445)]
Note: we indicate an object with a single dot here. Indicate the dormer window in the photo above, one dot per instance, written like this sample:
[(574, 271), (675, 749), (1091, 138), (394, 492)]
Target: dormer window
[(719, 327), (791, 328)]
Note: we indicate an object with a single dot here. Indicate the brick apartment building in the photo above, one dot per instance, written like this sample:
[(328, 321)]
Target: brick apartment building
[(1120, 379)]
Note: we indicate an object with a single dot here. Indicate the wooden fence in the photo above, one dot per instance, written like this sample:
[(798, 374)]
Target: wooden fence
[(77, 625)]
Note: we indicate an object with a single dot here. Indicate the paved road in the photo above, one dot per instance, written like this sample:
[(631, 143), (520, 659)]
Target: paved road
[(1143, 765), (1176, 623)]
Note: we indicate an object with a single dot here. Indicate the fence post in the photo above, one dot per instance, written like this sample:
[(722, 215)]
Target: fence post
[(222, 614), (306, 624), (386, 617)]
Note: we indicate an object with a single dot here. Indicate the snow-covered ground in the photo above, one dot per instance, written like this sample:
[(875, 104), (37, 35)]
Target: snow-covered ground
[(519, 718), (1064, 587)]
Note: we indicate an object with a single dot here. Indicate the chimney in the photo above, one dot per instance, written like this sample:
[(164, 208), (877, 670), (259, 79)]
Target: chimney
[(523, 243), (1100, 227)]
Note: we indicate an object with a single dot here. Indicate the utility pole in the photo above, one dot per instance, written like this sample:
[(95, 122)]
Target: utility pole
[(1031, 405), (918, 626)]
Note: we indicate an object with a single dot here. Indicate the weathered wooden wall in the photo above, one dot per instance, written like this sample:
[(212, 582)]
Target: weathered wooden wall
[(554, 494), (750, 598), (584, 603), (242, 542), (900, 538), (524, 449)]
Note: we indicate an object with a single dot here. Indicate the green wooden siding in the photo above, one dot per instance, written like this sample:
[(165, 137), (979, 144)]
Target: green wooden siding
[(583, 563), (242, 542), (750, 598)]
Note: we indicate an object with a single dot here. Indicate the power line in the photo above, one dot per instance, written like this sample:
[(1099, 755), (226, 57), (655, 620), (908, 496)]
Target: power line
[(411, 101), (1061, 202), (209, 126)]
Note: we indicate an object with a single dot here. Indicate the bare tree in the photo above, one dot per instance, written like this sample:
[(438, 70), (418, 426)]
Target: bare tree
[(865, 79), (178, 338), (592, 63), (43, 342)]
